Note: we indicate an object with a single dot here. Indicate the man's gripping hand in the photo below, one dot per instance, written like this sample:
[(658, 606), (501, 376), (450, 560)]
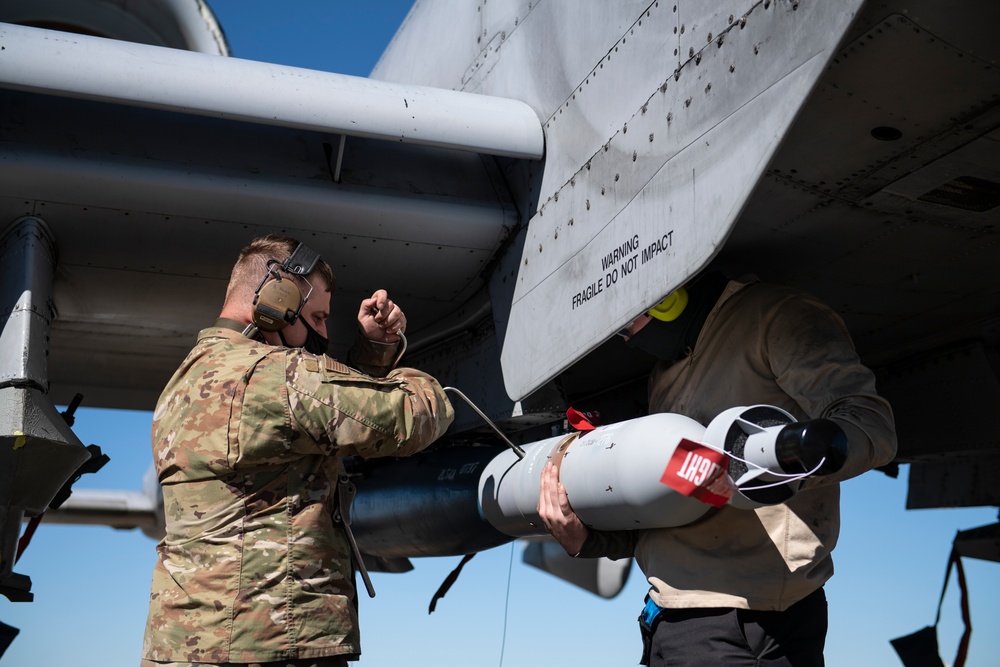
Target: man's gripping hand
[(380, 319), (557, 515)]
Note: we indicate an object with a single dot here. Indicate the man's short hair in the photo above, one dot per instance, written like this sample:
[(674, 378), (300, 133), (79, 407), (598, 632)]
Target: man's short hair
[(251, 266)]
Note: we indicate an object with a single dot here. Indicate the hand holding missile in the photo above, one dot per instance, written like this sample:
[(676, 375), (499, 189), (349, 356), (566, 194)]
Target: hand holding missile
[(557, 515)]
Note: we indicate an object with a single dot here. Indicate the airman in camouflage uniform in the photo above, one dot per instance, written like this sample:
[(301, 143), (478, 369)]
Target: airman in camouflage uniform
[(247, 441)]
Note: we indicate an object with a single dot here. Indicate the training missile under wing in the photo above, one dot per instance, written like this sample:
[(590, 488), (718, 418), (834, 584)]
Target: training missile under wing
[(527, 177)]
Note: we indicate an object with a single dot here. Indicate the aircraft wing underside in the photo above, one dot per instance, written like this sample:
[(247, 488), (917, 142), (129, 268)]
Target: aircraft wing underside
[(148, 199), (882, 196)]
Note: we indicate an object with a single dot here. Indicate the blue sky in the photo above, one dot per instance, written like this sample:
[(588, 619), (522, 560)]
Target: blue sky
[(91, 584)]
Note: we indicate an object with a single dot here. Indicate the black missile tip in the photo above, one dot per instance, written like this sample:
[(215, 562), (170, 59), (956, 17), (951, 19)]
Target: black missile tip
[(802, 446)]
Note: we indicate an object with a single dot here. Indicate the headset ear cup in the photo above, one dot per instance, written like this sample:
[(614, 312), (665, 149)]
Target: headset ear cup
[(275, 305)]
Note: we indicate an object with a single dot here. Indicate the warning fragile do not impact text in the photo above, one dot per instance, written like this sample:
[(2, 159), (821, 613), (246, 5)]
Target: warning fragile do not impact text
[(621, 262)]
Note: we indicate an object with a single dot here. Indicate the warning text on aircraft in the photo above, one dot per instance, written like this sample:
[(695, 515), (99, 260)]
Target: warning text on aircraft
[(620, 262)]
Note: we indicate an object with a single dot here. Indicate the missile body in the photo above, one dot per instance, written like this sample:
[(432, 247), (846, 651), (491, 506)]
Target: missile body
[(618, 477), (611, 474)]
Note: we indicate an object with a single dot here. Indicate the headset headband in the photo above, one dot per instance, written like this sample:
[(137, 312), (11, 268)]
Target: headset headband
[(301, 262)]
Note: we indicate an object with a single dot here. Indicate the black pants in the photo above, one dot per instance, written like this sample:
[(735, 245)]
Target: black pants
[(742, 637)]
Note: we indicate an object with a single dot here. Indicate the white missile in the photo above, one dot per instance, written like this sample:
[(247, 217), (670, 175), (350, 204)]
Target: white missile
[(460, 500), (636, 474)]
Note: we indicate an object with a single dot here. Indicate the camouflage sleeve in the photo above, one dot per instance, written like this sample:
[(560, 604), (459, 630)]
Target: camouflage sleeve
[(346, 413), (372, 357)]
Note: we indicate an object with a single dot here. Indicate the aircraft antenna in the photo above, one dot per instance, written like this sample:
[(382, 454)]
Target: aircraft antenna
[(506, 604)]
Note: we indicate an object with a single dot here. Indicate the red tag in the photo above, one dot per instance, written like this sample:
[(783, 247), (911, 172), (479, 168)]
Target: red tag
[(583, 421), (700, 472)]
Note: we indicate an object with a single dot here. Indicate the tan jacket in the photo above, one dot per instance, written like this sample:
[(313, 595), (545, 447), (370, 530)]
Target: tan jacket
[(761, 344)]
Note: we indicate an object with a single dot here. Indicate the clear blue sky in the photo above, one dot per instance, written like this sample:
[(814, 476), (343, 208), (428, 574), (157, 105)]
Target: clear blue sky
[(91, 584)]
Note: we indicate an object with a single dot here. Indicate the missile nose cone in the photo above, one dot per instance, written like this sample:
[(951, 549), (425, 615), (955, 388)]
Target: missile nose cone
[(800, 447)]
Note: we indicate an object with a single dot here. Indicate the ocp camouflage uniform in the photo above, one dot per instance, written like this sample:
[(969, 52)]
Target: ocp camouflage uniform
[(246, 442)]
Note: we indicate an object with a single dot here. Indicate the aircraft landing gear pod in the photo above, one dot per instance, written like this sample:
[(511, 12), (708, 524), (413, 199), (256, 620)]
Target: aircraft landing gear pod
[(38, 451), (615, 476)]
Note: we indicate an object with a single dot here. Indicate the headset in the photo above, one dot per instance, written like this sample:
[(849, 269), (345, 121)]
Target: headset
[(278, 302)]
